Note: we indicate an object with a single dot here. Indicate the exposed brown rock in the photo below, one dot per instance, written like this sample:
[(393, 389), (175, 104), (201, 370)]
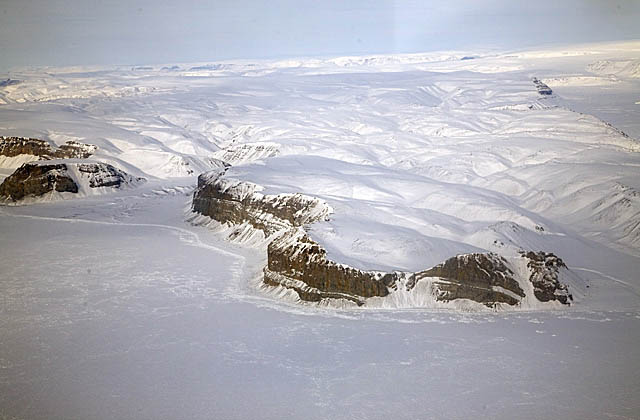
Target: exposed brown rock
[(475, 277), (40, 177), (291, 253), (297, 262), (544, 269), (14, 146), (74, 150), (103, 175), (298, 257), (36, 180)]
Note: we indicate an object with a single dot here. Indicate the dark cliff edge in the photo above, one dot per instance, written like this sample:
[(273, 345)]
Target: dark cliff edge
[(15, 146), (542, 88), (295, 261), (35, 179), (476, 277)]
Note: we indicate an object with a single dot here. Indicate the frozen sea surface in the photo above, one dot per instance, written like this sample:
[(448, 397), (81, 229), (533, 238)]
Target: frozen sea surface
[(113, 308)]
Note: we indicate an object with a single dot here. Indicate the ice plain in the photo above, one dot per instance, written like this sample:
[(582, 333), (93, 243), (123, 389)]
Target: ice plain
[(115, 307)]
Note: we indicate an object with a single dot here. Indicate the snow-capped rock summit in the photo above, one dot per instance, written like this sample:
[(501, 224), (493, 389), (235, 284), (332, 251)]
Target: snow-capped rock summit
[(300, 264), (63, 178)]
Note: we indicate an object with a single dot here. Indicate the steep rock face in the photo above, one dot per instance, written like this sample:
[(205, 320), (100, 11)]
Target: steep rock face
[(294, 260), (37, 178), (480, 277), (542, 87), (297, 257), (14, 146), (103, 175), (237, 202), (297, 262), (247, 152), (74, 150), (544, 268)]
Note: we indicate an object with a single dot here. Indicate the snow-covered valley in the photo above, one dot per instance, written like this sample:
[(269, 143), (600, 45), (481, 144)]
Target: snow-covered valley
[(123, 303)]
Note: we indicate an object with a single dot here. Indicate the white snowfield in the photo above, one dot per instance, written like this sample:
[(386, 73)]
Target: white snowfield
[(114, 306), (418, 163)]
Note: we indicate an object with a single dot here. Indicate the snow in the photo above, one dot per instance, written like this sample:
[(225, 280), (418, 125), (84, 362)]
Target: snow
[(125, 305), (139, 315), (14, 162)]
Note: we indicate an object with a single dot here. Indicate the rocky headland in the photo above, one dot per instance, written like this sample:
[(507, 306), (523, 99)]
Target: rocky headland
[(295, 261), (35, 179)]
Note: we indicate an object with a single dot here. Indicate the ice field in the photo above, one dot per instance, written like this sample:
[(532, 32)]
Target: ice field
[(116, 306)]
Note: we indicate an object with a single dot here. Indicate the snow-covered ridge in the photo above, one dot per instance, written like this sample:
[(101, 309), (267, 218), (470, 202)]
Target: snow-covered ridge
[(46, 89), (620, 68), (297, 262), (543, 89), (247, 152)]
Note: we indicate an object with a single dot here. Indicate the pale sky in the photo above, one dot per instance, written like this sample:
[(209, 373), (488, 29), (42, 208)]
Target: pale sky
[(70, 32)]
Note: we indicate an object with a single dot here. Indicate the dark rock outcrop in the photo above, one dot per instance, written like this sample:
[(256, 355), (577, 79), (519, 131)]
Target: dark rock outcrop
[(291, 253), (297, 262), (297, 257), (542, 87), (480, 277), (103, 175), (74, 150), (9, 82), (544, 268), (34, 179), (14, 146)]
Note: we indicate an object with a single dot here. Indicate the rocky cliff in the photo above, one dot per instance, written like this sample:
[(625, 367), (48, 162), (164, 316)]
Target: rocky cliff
[(483, 278), (544, 268), (295, 261), (15, 146), (543, 88), (35, 179)]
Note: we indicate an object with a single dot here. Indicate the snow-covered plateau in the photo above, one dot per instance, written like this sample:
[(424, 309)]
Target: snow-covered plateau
[(438, 235)]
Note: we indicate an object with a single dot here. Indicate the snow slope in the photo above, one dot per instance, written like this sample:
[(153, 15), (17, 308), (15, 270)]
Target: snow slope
[(114, 307), (421, 156)]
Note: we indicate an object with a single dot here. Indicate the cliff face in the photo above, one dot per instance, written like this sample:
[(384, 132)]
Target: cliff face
[(35, 179), (543, 88), (14, 146), (480, 277), (237, 202), (104, 175), (544, 268), (297, 262), (294, 259)]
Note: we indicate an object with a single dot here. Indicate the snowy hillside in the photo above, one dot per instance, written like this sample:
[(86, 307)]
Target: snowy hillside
[(438, 235), (422, 157)]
